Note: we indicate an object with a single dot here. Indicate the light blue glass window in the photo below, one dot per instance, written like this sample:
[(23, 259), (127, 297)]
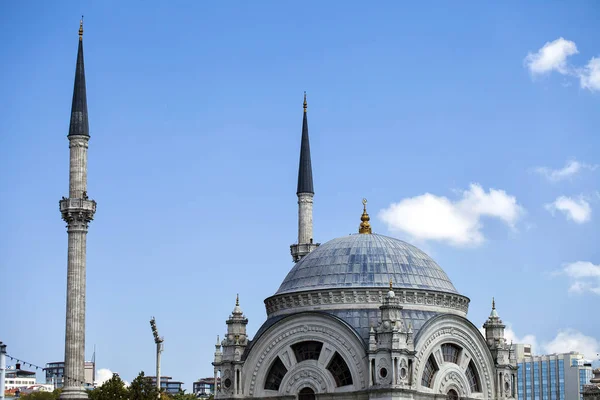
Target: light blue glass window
[(520, 381)]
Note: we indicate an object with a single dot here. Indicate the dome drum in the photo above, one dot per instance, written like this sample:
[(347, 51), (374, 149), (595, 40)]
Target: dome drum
[(369, 298)]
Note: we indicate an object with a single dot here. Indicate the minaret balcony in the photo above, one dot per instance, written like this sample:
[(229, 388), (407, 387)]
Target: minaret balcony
[(302, 249), (83, 207)]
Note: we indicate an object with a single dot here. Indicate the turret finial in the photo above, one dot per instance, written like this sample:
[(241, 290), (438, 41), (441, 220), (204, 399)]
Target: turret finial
[(305, 104), (81, 28), (391, 285), (365, 227), (237, 299), (493, 304)]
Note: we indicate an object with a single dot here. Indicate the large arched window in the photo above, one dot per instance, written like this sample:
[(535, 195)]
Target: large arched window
[(429, 372), (340, 371), (450, 352), (275, 375), (452, 395), (309, 350), (473, 378)]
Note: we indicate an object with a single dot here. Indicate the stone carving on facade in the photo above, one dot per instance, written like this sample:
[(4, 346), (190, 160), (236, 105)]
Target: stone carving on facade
[(465, 339), (279, 303), (311, 332)]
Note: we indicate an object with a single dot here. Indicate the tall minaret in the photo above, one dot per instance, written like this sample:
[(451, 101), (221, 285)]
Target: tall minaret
[(305, 195), (77, 211)]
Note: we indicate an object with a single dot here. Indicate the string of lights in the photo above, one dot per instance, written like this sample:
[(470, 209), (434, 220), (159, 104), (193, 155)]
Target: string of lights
[(37, 367)]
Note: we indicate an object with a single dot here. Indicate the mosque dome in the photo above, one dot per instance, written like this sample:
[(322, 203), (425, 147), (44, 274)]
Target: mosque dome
[(366, 261)]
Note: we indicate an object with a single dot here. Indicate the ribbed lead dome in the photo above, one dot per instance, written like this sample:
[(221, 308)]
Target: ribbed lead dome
[(367, 260)]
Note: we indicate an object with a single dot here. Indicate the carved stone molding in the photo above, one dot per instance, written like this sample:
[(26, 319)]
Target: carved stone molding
[(78, 141), (303, 375), (295, 301)]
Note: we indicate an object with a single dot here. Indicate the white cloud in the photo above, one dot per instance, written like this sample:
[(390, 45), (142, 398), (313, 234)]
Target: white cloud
[(572, 340), (552, 56), (570, 169), (589, 76), (584, 277), (430, 217), (577, 210), (103, 375), (565, 341)]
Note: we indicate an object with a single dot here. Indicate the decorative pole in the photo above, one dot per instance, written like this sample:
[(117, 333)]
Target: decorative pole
[(159, 348)]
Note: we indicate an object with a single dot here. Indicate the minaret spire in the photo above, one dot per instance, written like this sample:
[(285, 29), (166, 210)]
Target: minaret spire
[(77, 211), (305, 193), (305, 180), (79, 114)]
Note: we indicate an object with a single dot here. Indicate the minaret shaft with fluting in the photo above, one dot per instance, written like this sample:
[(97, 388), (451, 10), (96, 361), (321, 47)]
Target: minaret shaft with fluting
[(77, 211), (305, 195)]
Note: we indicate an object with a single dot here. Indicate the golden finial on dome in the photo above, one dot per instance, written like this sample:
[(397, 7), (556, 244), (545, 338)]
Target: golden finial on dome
[(365, 227), (391, 286), (305, 105), (81, 28)]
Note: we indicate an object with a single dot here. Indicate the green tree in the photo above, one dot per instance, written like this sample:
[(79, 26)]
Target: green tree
[(40, 396), (182, 395), (114, 388), (142, 389), (43, 395)]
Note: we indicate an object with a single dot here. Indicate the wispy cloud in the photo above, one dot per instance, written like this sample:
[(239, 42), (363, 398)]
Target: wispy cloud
[(584, 277), (430, 217), (589, 76), (576, 210), (553, 56), (571, 168)]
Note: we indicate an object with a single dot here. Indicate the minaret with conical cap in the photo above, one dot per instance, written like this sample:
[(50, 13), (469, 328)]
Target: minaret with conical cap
[(77, 210), (305, 193)]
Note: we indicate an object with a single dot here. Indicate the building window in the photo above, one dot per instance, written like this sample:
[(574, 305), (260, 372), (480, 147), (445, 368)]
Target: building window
[(450, 353), (306, 394), (452, 395), (309, 350), (472, 378), (429, 372), (275, 375), (340, 371)]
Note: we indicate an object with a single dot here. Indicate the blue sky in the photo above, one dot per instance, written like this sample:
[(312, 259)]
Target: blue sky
[(453, 120)]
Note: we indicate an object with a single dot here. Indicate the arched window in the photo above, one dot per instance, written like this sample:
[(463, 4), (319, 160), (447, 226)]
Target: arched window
[(306, 394), (275, 375), (429, 372), (452, 395), (340, 371), (309, 350), (473, 378), (450, 352)]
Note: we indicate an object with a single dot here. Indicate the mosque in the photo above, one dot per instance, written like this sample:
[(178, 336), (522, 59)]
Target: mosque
[(364, 316), (360, 317)]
